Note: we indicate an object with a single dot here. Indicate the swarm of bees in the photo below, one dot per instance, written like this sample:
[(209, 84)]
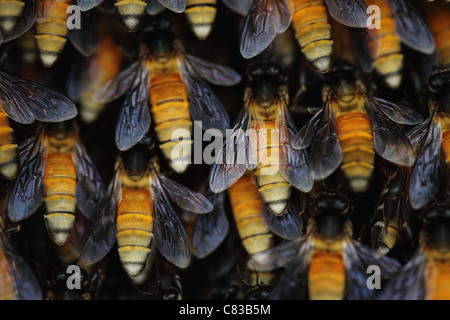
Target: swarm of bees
[(234, 149)]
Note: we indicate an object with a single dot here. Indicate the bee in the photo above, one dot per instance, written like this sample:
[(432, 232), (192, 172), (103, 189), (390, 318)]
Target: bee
[(168, 80), (267, 18), (17, 280), (425, 275), (56, 170), (10, 10), (261, 142), (351, 127), (103, 65), (132, 12), (16, 18), (326, 263), (438, 18), (137, 210), (24, 102), (432, 140), (400, 22)]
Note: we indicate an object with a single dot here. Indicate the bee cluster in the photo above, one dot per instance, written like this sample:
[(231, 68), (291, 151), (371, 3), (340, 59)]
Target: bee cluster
[(327, 122)]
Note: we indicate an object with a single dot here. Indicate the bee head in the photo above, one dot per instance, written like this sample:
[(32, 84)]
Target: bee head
[(136, 160), (265, 79), (60, 130), (158, 37), (437, 226), (330, 214)]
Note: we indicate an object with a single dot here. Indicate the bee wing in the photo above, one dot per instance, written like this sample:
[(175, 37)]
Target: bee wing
[(100, 233), (212, 72), (117, 86), (154, 7), (388, 266), (389, 141), (408, 283), (231, 160), (134, 120), (85, 38), (177, 6), (349, 12), (264, 20), (425, 179), (293, 163), (25, 22), (90, 189), (27, 191), (241, 7), (203, 103), (366, 44), (287, 225), (304, 137), (74, 82), (185, 198), (411, 27), (25, 101), (170, 237), (86, 5), (398, 113), (211, 229), (416, 134)]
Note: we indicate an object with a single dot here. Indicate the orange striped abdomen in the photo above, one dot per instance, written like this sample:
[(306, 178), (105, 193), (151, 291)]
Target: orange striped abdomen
[(439, 22), (247, 205), (9, 161), (389, 62), (10, 10), (437, 282), (134, 224), (8, 288), (51, 32), (201, 15), (170, 111), (313, 32), (131, 12), (355, 136), (60, 181), (326, 276)]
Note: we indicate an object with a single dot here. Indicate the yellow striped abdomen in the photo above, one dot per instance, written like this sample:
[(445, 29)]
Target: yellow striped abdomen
[(170, 111), (9, 161), (201, 15), (439, 22), (437, 281), (273, 187), (247, 205), (389, 62), (131, 12), (355, 136), (10, 10), (134, 224), (313, 32), (60, 181), (51, 33), (326, 276)]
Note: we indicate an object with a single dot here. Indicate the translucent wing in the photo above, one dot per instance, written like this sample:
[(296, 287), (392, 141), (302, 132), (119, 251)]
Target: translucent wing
[(265, 19), (27, 192), (349, 12), (86, 5), (117, 86), (304, 137), (416, 134), (25, 101), (231, 161), (239, 6), (186, 199), (169, 234), (389, 141), (25, 22), (398, 113), (408, 283), (134, 120), (366, 45), (211, 229), (85, 38), (203, 103), (411, 27), (177, 6), (425, 179), (90, 188), (213, 72), (287, 225), (154, 7), (388, 266)]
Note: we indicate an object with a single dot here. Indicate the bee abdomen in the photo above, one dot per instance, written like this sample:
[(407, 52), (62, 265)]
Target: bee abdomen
[(134, 226), (326, 277), (356, 139), (9, 13), (313, 32), (59, 184), (201, 15), (446, 147), (131, 12), (438, 21), (170, 110), (9, 161), (437, 282)]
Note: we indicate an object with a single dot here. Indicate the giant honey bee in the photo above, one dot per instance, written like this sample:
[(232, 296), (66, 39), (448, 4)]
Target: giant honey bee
[(351, 127), (169, 81), (55, 169), (261, 142), (137, 211), (326, 263)]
